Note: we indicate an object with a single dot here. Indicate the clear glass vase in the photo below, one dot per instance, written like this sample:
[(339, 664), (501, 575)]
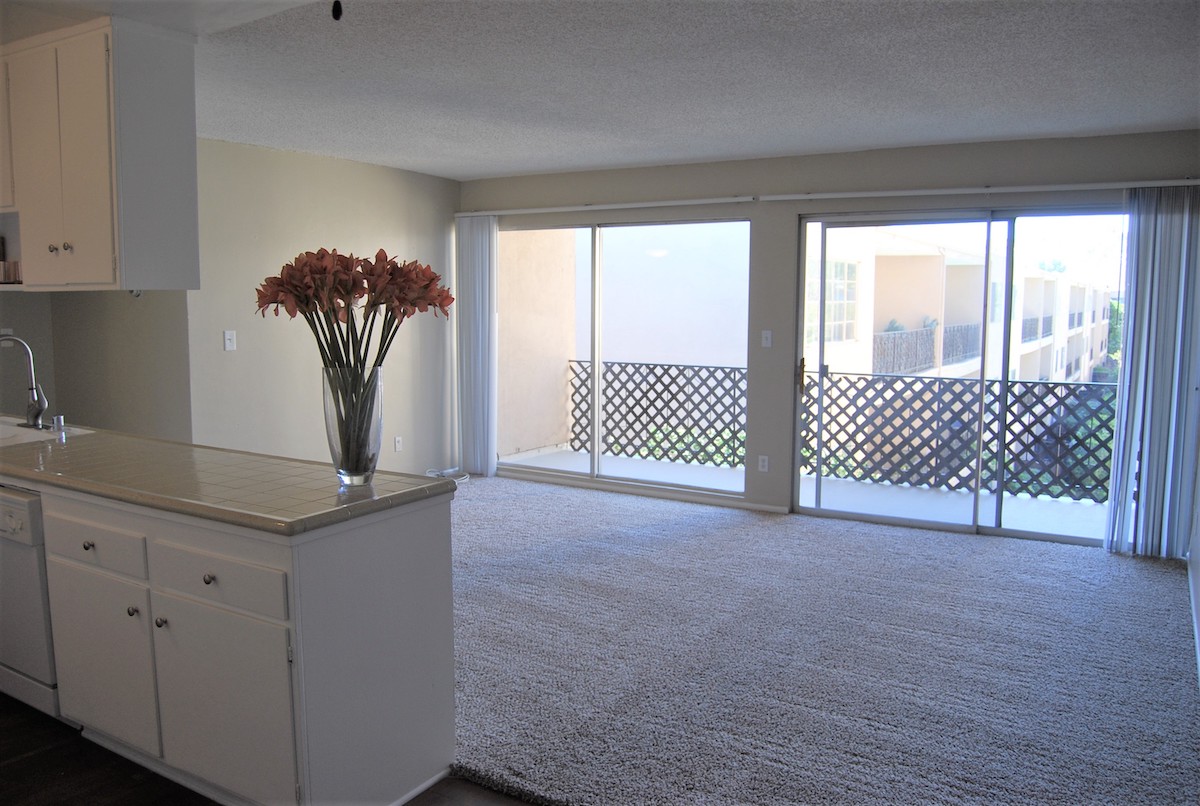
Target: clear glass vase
[(353, 421)]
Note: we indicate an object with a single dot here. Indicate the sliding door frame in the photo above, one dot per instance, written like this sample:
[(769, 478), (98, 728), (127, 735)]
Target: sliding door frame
[(967, 214), (594, 477)]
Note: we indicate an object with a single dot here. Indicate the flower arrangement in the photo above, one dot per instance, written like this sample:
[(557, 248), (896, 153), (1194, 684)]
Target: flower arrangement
[(354, 307), (342, 297)]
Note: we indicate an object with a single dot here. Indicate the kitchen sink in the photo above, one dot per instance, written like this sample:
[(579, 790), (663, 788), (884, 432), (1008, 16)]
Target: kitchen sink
[(13, 433)]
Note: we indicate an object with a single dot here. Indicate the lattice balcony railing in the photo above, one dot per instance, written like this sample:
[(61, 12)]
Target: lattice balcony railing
[(669, 412), (900, 429), (923, 431), (902, 351), (961, 342)]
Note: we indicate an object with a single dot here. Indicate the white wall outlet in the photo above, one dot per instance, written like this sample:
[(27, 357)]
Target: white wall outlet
[(762, 464), (766, 338), (399, 444), (230, 340)]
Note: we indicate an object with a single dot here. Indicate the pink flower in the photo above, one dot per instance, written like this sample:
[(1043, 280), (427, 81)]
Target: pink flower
[(341, 297)]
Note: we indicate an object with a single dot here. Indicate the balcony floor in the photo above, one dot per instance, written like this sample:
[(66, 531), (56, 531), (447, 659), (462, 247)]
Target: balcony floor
[(1020, 513), (703, 477)]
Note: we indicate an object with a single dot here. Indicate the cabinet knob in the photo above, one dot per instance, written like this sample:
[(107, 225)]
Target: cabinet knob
[(88, 545), (67, 247), (209, 579), (53, 248), (160, 622), (131, 610)]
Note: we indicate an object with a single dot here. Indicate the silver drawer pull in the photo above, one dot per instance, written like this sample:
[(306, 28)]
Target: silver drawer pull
[(209, 579), (88, 545), (160, 622), (67, 247), (53, 249), (131, 610)]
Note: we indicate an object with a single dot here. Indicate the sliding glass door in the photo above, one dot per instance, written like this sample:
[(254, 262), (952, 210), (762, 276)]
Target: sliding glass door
[(960, 372), (661, 311), (893, 321)]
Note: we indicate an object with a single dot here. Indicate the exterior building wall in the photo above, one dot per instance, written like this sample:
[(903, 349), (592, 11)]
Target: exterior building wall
[(536, 291)]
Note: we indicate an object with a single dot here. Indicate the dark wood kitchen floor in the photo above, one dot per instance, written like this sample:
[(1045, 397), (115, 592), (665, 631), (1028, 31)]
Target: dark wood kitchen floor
[(45, 762)]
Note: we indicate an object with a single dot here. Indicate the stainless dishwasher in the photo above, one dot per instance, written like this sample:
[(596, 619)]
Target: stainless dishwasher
[(26, 651)]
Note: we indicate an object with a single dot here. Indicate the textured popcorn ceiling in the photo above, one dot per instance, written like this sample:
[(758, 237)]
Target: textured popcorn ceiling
[(483, 88)]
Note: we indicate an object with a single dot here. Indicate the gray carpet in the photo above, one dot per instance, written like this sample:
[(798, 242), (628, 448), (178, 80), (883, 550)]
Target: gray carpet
[(614, 649)]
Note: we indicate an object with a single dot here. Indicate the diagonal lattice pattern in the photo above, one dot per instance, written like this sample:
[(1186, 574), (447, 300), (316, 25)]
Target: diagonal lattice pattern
[(923, 432), (668, 412), (1060, 438)]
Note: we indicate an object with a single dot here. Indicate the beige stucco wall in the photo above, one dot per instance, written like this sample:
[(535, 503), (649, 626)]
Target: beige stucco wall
[(259, 208), (964, 295), (908, 288), (536, 290)]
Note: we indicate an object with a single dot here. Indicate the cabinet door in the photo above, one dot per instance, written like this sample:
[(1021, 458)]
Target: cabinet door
[(37, 174), (84, 104), (225, 698), (102, 649)]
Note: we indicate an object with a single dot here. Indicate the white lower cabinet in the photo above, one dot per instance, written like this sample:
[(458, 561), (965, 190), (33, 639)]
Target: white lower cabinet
[(103, 653), (254, 667), (146, 660), (225, 697)]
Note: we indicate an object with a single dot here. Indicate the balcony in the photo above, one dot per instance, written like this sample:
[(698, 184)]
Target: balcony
[(1047, 452), (1030, 328), (667, 412), (903, 351), (961, 342), (911, 430)]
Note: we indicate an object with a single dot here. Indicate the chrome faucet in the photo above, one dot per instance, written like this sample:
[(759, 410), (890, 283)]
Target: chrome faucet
[(37, 398)]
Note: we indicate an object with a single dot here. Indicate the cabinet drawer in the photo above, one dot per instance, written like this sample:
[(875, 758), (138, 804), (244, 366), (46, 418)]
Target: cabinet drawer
[(93, 544), (256, 588)]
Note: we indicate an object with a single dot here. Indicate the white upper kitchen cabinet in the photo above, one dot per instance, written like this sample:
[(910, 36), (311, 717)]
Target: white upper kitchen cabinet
[(103, 141)]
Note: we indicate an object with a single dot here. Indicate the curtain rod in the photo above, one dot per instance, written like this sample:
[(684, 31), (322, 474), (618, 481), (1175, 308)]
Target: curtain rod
[(981, 190), (579, 208), (847, 194)]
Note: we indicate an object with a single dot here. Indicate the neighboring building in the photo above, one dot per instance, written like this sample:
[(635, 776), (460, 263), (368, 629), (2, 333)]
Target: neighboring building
[(901, 305)]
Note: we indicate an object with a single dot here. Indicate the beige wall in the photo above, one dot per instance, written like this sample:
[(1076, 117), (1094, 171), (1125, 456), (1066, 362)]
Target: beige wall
[(964, 295), (536, 288), (259, 208), (29, 318), (908, 288), (121, 361), (106, 359), (774, 238)]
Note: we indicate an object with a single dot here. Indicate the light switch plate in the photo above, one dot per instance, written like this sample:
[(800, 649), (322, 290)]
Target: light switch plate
[(230, 340)]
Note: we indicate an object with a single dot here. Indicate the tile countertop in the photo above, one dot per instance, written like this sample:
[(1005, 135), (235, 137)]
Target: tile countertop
[(268, 493)]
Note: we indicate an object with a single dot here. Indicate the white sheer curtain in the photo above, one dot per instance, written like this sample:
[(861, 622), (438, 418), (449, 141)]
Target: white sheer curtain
[(477, 241), (1153, 493)]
